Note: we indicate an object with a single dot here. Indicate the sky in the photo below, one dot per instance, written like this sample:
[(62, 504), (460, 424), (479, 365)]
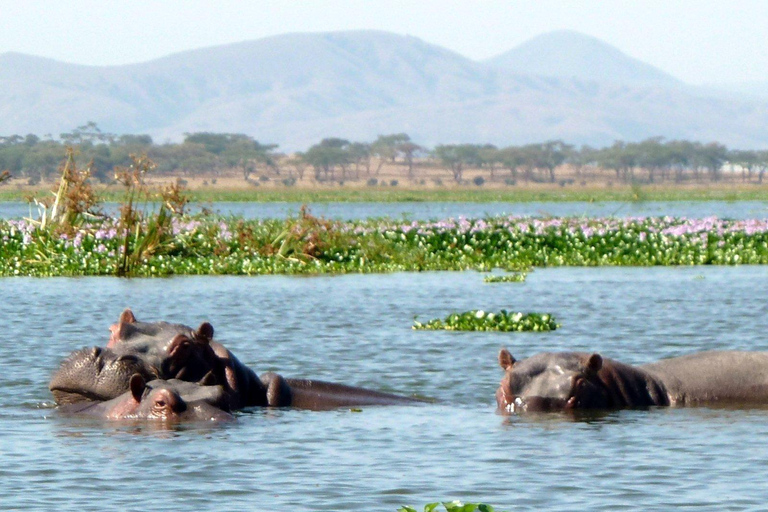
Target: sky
[(700, 42)]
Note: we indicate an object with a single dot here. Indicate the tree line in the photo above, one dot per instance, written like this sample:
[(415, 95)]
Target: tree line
[(654, 160)]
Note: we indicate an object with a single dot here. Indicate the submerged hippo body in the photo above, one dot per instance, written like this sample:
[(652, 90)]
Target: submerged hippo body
[(159, 400), (162, 350), (574, 380)]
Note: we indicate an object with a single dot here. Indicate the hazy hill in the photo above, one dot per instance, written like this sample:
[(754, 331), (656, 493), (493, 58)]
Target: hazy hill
[(295, 89), (568, 54)]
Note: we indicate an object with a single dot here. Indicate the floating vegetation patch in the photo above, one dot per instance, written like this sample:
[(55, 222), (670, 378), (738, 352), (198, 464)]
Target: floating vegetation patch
[(452, 506), (517, 277), (167, 243), (478, 320)]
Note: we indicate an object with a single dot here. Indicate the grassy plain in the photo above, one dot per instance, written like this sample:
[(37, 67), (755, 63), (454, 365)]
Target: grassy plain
[(393, 184)]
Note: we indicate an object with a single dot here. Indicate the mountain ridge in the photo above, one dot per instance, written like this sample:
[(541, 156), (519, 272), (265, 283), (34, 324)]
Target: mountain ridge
[(294, 89)]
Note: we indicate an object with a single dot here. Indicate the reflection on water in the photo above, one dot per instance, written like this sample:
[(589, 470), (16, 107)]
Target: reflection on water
[(357, 329)]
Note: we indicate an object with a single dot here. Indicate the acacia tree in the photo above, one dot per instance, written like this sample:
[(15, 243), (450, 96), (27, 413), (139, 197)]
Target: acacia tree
[(549, 156), (712, 156), (326, 156), (457, 157), (409, 150), (387, 148), (360, 156), (745, 159)]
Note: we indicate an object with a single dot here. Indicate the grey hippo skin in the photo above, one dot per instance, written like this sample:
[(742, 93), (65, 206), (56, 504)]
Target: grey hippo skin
[(565, 381), (162, 350), (165, 401)]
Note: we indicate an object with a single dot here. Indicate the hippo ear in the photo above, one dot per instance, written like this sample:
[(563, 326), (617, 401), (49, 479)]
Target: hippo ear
[(127, 317), (594, 363), (209, 379), (505, 359), (204, 332), (137, 385), (120, 332), (179, 346)]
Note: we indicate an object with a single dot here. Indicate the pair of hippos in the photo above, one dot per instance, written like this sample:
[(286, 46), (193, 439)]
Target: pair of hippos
[(171, 372)]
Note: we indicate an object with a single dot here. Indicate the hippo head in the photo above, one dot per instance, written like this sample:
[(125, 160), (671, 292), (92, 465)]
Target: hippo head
[(157, 350), (551, 382), (173, 351), (167, 401), (96, 374)]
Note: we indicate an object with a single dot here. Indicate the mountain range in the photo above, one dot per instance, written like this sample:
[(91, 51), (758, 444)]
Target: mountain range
[(296, 89)]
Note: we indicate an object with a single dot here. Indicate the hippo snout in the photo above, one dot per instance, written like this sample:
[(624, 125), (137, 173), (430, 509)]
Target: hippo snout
[(536, 404)]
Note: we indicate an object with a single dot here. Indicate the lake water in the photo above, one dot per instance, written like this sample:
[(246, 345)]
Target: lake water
[(437, 210), (356, 329)]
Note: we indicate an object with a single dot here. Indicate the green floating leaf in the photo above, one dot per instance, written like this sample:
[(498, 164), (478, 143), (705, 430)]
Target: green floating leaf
[(517, 277), (479, 320), (451, 506)]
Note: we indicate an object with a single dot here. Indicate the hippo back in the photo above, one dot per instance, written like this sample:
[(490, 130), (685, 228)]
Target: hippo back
[(714, 376)]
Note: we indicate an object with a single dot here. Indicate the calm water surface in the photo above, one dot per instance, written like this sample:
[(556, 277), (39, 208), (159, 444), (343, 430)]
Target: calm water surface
[(437, 210), (356, 329)]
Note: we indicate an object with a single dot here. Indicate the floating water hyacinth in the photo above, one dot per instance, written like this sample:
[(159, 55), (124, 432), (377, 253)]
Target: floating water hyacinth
[(517, 277), (308, 245), (451, 506), (478, 320)]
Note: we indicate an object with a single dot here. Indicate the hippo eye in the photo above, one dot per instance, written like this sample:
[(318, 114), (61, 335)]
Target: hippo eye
[(160, 403)]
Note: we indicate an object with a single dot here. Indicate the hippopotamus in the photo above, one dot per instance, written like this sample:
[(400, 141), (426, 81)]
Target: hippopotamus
[(567, 381), (159, 400), (162, 350)]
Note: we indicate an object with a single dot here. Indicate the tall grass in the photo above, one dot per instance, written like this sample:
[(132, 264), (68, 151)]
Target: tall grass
[(72, 213)]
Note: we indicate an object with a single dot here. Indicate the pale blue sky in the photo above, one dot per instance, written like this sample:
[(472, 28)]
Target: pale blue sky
[(699, 41)]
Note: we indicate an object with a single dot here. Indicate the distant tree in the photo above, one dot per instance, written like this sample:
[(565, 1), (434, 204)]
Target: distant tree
[(457, 157), (360, 156), (621, 157), (712, 156), (653, 156), (387, 148), (512, 159), (248, 154), (680, 156), (409, 150), (762, 164), (297, 163), (548, 156), (134, 140), (88, 133), (747, 160), (328, 155), (490, 158)]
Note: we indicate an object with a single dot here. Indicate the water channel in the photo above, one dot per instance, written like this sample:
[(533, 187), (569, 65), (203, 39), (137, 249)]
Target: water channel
[(356, 329)]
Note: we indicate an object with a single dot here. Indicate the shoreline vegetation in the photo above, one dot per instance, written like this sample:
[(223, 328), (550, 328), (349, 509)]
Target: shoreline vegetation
[(236, 167), (541, 193), (153, 236)]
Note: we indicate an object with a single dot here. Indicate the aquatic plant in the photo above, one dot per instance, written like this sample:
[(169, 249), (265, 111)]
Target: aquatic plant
[(478, 320), (161, 243), (73, 201), (516, 277), (451, 506)]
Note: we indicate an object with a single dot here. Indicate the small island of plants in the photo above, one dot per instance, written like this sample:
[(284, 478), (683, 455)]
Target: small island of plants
[(478, 320)]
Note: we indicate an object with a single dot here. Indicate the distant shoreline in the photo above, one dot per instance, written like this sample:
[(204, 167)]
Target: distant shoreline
[(468, 193)]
